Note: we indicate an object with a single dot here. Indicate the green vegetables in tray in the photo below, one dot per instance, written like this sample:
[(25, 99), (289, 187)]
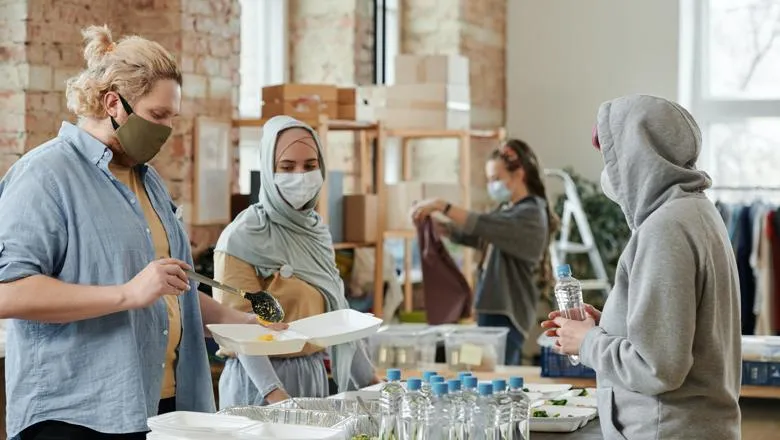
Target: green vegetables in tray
[(543, 413), (583, 393), (559, 402), (363, 437)]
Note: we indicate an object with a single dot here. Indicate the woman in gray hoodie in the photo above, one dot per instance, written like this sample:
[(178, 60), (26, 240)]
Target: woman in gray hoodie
[(667, 348)]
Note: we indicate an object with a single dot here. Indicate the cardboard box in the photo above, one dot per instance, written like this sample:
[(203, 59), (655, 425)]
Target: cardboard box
[(346, 95), (432, 69), (360, 218), (445, 191), (410, 118), (429, 97), (301, 101), (363, 104), (399, 201)]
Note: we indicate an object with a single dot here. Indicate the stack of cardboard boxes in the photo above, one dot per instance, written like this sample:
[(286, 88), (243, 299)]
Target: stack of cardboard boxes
[(431, 92)]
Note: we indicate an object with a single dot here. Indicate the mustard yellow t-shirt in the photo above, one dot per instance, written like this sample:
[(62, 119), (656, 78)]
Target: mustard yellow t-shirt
[(132, 180)]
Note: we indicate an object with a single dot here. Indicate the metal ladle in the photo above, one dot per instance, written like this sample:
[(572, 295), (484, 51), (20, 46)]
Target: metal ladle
[(264, 305)]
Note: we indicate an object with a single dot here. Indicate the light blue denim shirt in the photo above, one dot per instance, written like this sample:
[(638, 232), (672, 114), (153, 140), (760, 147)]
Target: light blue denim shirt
[(64, 215)]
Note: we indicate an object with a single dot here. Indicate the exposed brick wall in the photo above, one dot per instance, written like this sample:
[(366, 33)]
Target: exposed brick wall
[(324, 50), (41, 46)]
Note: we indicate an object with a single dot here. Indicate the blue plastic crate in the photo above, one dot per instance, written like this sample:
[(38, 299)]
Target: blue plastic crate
[(761, 373), (556, 365)]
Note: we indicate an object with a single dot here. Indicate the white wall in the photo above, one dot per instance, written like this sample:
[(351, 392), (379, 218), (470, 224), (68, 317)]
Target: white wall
[(565, 57)]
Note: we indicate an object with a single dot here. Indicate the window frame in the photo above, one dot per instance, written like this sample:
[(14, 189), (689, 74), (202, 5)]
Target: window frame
[(384, 56)]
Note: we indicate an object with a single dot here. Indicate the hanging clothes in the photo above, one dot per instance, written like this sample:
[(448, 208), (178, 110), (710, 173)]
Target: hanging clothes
[(743, 244), (765, 284), (447, 294)]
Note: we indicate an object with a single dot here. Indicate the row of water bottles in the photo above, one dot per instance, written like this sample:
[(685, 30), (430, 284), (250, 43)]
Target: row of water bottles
[(434, 409)]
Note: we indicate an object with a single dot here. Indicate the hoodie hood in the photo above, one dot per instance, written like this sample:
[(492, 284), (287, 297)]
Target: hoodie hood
[(650, 146)]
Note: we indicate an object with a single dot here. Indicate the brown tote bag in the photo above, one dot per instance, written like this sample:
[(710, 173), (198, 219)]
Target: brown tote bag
[(446, 292)]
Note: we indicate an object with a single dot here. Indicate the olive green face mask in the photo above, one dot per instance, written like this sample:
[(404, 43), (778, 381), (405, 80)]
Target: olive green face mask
[(141, 139)]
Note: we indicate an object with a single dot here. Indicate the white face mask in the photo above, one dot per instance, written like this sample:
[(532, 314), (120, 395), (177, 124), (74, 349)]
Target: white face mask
[(298, 188), (607, 188)]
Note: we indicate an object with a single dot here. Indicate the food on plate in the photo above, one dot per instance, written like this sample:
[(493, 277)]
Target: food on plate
[(266, 338), (583, 393), (559, 402), (262, 321), (363, 437)]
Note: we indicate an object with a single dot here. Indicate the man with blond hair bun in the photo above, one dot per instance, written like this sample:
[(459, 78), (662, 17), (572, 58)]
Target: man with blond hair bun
[(105, 329)]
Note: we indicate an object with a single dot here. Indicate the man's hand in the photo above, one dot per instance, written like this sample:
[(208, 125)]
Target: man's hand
[(277, 395), (159, 278)]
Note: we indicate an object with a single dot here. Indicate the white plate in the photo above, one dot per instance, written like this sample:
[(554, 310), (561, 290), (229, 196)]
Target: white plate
[(569, 418), (196, 425), (587, 402), (548, 390), (337, 327), (243, 338), (274, 431)]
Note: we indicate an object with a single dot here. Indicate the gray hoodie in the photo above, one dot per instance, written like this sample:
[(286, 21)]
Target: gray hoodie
[(667, 352)]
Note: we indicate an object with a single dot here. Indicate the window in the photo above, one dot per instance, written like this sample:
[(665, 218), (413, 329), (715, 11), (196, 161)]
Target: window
[(387, 33), (263, 63), (733, 89)]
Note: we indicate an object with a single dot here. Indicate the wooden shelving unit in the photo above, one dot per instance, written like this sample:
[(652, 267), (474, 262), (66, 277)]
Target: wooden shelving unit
[(464, 137)]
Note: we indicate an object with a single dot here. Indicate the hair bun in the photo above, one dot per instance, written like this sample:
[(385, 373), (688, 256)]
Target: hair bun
[(98, 43)]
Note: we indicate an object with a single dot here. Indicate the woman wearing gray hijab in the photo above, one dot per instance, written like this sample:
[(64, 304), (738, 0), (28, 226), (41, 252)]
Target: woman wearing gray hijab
[(282, 245)]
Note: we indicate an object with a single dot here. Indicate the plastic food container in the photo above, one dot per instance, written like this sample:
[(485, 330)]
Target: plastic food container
[(476, 349), (404, 347), (340, 406), (196, 426)]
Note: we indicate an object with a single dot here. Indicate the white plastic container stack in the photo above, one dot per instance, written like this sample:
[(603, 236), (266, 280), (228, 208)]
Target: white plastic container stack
[(476, 349), (404, 347)]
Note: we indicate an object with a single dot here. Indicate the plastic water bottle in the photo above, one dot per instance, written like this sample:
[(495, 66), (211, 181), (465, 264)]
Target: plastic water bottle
[(455, 398), (425, 388), (414, 412), (504, 407), (440, 419), (390, 397), (521, 410), (463, 374), (485, 415), (568, 294), (470, 397)]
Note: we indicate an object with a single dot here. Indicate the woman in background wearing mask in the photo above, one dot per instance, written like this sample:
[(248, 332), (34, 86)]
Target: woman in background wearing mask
[(514, 239), (281, 245)]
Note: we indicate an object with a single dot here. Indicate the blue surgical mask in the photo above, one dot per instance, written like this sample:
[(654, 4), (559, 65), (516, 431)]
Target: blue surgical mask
[(499, 192)]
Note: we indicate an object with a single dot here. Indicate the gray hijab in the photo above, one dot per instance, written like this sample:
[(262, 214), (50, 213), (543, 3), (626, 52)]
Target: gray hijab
[(271, 234)]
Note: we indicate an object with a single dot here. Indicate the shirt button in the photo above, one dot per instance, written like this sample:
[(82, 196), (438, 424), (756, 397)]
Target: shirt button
[(165, 332), (148, 231), (132, 201), (163, 364)]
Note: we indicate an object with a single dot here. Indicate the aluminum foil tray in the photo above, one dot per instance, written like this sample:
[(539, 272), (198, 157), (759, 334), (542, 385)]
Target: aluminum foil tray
[(358, 425), (344, 407), (303, 417)]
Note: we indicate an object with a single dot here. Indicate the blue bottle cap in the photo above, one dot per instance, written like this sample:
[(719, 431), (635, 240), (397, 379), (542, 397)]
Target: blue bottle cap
[(413, 384), (463, 374), (437, 379), (470, 382), (486, 389), (499, 385), (516, 382), (393, 374), (453, 385), (427, 375), (563, 270), (439, 389)]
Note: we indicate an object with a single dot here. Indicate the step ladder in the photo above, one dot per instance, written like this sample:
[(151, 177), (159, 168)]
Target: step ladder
[(561, 248)]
